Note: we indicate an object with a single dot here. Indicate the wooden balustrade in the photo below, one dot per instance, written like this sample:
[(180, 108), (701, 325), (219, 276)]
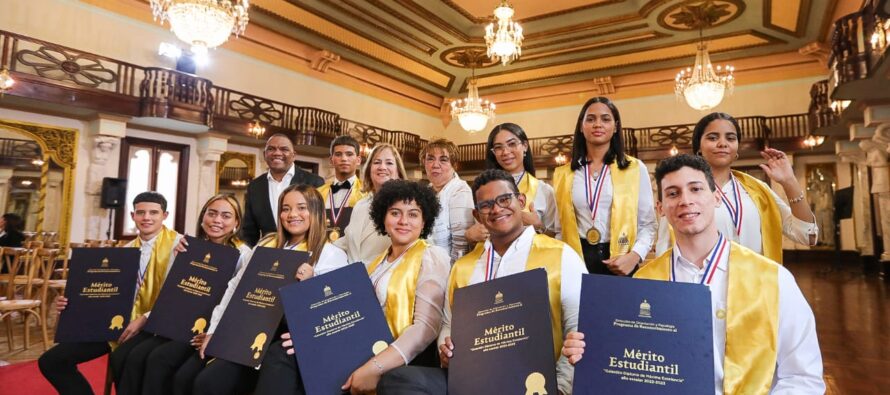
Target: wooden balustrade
[(168, 93), (821, 113), (858, 43)]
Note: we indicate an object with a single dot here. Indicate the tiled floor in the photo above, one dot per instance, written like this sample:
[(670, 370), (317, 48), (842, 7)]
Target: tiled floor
[(852, 317)]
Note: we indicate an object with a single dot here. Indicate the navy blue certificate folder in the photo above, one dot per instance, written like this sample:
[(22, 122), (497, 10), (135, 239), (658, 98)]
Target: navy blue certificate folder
[(644, 337), (100, 291), (337, 325), (503, 342), (251, 319), (195, 284)]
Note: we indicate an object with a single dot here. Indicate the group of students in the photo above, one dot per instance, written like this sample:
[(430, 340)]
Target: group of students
[(419, 243)]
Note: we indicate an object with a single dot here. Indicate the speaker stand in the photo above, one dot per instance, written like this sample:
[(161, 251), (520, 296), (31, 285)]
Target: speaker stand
[(110, 216)]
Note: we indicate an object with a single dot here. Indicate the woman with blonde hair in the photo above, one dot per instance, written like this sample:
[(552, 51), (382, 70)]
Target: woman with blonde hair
[(360, 241), (301, 227)]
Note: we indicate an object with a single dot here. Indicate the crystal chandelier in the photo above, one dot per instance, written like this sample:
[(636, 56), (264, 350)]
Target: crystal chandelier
[(505, 43), (6, 81), (702, 86), (202, 23), (473, 113)]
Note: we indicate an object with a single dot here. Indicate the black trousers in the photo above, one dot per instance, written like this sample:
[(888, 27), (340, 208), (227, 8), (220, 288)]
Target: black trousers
[(162, 365), (279, 373), (410, 380), (594, 255), (59, 366), (184, 378), (129, 365)]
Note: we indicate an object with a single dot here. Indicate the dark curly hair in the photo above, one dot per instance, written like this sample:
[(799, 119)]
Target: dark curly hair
[(675, 163), (703, 123), (489, 175), (405, 191)]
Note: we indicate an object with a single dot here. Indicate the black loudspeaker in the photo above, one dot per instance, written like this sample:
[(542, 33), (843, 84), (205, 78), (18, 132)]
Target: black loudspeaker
[(843, 203), (114, 192)]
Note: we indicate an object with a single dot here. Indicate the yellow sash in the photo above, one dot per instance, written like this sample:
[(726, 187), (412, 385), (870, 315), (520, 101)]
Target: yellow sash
[(770, 218), (354, 196), (155, 271), (752, 317), (625, 199), (546, 253), (528, 186), (399, 308)]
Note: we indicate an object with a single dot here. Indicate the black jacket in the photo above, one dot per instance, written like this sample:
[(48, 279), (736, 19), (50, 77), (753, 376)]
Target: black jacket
[(258, 216), (12, 239)]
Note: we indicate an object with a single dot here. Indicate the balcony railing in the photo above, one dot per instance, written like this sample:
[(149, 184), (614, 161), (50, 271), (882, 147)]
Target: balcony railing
[(783, 131), (822, 113), (170, 94), (858, 43)]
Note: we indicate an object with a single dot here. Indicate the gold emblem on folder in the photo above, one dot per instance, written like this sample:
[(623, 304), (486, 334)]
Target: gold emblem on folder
[(498, 298), (117, 322), (535, 383), (645, 309), (199, 326), (104, 262), (207, 258), (379, 346), (327, 291), (257, 345), (274, 266)]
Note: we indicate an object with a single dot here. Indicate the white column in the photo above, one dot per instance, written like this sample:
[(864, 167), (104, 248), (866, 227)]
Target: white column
[(210, 147), (105, 133), (5, 175), (53, 205), (850, 152), (878, 116)]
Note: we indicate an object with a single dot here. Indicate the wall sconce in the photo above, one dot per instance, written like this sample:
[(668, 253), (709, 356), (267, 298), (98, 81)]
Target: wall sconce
[(560, 159)]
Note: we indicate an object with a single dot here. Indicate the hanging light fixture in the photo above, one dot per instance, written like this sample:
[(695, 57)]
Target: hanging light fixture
[(702, 86), (813, 141), (504, 41), (473, 113), (202, 24), (6, 81), (674, 151), (560, 159), (255, 129)]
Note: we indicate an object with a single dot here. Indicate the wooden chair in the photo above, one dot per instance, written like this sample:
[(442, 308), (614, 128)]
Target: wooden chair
[(11, 260), (32, 303)]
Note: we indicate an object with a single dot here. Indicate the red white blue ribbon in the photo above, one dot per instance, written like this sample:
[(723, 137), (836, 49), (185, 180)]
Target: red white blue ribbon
[(489, 265), (713, 261), (593, 194), (735, 211)]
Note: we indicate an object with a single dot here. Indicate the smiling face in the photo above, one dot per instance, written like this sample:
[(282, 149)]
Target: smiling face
[(499, 221), (149, 219), (383, 168), (294, 216), (279, 154), (219, 220), (719, 143), (598, 125), (403, 222), (509, 151), (687, 202), (438, 167)]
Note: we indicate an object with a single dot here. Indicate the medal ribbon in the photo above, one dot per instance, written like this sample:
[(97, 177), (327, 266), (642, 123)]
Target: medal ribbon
[(593, 194), (713, 262), (518, 180), (735, 211), (335, 212), (489, 265)]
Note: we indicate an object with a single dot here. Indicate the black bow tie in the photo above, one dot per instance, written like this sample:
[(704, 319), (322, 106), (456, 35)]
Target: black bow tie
[(342, 185)]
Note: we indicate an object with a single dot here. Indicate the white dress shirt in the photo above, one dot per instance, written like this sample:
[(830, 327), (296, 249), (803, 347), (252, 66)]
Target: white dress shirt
[(514, 261), (751, 237), (341, 194), (145, 256), (645, 210), (276, 187), (799, 361), (331, 258), (545, 205)]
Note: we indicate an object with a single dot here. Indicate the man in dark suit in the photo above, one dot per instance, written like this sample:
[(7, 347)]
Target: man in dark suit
[(261, 201)]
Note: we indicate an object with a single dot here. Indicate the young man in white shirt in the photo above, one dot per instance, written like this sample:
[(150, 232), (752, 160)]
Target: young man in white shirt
[(514, 248), (345, 189), (764, 330)]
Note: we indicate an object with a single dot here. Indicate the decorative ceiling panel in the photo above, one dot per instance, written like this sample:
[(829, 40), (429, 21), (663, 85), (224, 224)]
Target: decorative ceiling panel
[(424, 43)]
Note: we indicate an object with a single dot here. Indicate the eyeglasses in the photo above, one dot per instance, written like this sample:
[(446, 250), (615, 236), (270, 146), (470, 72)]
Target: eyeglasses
[(511, 145), (503, 201)]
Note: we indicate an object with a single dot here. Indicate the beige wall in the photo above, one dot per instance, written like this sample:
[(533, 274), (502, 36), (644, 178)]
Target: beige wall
[(773, 98), (88, 28)]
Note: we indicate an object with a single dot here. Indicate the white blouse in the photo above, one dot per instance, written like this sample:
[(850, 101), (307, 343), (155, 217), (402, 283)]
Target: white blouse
[(361, 241), (450, 227), (545, 206)]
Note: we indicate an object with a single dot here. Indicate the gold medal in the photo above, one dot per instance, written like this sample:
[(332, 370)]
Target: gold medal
[(334, 235), (593, 236)]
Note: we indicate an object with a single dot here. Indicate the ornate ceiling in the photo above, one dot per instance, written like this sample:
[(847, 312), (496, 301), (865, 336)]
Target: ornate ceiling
[(421, 43)]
